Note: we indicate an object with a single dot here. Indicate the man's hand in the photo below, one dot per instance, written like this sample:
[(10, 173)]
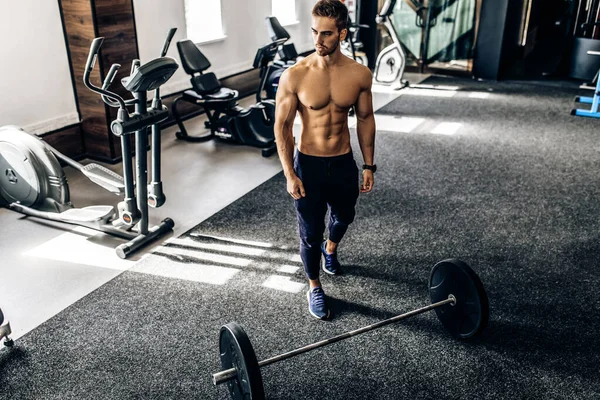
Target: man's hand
[(368, 181), (295, 187)]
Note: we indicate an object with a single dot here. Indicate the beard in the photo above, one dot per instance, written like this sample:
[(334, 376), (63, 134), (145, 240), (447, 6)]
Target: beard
[(326, 51)]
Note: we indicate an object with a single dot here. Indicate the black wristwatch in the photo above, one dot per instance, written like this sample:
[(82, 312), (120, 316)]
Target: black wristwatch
[(370, 167)]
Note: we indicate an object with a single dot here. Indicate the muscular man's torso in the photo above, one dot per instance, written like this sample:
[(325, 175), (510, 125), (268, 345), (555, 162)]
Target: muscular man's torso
[(325, 96)]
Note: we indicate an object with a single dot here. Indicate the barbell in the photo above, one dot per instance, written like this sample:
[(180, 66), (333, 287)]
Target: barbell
[(457, 296)]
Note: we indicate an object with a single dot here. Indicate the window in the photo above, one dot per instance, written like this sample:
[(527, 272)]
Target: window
[(203, 20), (284, 10)]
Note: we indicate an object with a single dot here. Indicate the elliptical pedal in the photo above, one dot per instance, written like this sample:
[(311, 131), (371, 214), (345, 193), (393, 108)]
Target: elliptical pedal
[(104, 177), (88, 214)]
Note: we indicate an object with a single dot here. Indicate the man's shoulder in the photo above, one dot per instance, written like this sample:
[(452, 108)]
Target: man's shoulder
[(359, 72), (303, 64), (297, 70), (360, 69), (293, 75)]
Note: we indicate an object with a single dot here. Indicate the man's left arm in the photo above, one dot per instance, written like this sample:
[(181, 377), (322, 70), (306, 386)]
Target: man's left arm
[(365, 128)]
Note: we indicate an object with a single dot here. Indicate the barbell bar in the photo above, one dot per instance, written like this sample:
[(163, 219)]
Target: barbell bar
[(224, 376)]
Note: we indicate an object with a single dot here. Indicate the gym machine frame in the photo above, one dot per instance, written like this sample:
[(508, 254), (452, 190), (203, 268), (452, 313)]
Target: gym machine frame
[(5, 331), (594, 101), (157, 71), (33, 182)]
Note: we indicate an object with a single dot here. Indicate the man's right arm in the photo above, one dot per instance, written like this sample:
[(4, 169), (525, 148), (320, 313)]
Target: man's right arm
[(286, 105)]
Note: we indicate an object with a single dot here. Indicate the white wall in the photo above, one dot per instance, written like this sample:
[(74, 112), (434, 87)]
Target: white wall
[(36, 91), (244, 26)]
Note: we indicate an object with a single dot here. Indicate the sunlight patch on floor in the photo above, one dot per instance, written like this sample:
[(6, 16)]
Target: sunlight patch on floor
[(283, 283), (78, 246), (392, 123)]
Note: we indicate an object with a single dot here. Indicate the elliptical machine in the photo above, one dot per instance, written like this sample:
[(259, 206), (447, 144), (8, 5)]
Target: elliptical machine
[(253, 126), (5, 331), (33, 183), (390, 64)]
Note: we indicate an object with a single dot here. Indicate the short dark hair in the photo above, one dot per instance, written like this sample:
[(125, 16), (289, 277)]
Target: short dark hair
[(334, 9)]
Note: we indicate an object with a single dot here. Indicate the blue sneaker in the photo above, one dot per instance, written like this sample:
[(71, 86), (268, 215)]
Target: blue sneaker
[(316, 303), (330, 263)]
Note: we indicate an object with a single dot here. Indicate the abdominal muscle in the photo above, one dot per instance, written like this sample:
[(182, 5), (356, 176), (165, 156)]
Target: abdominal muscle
[(324, 132)]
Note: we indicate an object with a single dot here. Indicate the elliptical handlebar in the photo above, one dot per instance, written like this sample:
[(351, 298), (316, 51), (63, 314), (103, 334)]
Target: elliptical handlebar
[(89, 67), (135, 64), (163, 53), (93, 54), (110, 76), (168, 41), (107, 82)]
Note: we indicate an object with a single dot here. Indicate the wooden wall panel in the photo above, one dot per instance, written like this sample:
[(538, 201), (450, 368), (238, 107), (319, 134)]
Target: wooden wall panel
[(83, 21), (115, 22), (78, 20), (67, 140)]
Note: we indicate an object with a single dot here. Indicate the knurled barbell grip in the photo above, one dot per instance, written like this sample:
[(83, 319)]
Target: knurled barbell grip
[(229, 374)]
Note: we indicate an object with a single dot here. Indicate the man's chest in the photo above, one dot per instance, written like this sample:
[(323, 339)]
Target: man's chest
[(319, 90)]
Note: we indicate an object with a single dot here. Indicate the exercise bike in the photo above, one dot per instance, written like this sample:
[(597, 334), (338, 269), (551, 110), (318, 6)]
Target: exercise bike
[(5, 331), (390, 63), (352, 47), (33, 182), (287, 53), (253, 126), (270, 70)]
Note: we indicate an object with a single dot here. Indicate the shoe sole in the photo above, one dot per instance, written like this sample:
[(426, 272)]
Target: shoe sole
[(310, 311)]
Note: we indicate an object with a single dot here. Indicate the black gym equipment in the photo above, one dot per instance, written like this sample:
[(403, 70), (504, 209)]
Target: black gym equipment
[(457, 296), (352, 47), (253, 126), (390, 64), (33, 183), (5, 331), (286, 51), (288, 56), (270, 71)]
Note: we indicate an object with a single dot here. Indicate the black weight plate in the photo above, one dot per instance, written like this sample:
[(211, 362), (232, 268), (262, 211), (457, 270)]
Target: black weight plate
[(237, 352), (469, 316), (1, 317)]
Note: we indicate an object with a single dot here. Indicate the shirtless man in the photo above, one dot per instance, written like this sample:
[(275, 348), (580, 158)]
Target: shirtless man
[(322, 173)]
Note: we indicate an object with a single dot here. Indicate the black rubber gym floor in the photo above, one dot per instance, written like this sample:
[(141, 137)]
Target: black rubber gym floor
[(514, 193)]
